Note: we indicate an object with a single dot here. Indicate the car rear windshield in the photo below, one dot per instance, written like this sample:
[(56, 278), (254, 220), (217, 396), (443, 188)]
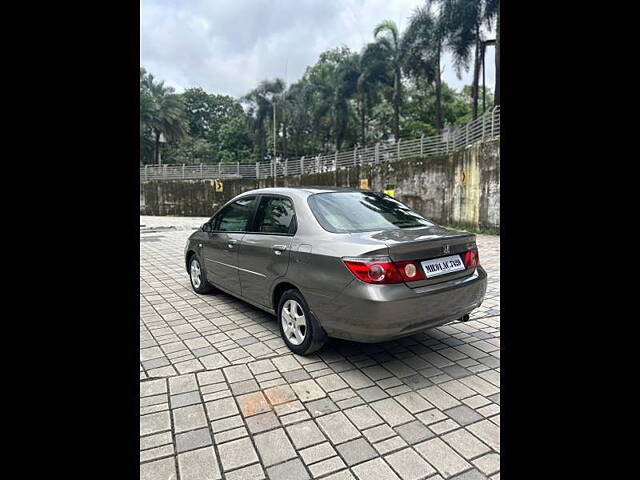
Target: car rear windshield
[(346, 212)]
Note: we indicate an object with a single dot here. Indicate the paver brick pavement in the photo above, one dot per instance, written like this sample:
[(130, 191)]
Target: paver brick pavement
[(222, 397)]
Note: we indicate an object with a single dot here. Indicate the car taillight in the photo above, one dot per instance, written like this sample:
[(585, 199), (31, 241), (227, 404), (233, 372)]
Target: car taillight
[(383, 270), (373, 270), (471, 258), (410, 271)]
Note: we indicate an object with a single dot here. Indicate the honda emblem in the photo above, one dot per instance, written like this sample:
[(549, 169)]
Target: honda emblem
[(445, 249)]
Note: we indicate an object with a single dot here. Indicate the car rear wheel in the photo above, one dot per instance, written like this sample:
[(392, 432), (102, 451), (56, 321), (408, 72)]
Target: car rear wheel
[(198, 276), (299, 329)]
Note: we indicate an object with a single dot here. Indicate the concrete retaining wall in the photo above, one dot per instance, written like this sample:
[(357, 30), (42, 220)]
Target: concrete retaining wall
[(461, 188)]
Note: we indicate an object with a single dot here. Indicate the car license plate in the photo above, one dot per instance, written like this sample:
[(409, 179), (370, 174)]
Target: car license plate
[(442, 265)]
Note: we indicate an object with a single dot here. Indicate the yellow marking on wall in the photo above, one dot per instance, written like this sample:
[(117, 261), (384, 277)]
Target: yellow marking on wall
[(466, 195), (472, 186)]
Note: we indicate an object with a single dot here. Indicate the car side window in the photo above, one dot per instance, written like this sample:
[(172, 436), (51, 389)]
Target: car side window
[(275, 215), (235, 217)]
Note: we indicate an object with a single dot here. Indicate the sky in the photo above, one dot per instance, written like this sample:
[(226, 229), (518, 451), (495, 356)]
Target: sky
[(229, 46)]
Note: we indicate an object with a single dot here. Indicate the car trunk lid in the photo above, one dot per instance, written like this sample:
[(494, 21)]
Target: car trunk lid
[(425, 243)]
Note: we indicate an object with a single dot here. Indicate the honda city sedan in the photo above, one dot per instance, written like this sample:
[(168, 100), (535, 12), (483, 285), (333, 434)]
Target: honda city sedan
[(344, 263)]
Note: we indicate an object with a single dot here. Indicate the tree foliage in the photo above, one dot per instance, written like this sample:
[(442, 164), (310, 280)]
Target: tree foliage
[(163, 114), (391, 88), (463, 26)]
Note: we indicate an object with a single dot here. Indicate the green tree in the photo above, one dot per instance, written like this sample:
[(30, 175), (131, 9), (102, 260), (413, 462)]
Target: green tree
[(330, 86), (225, 109), (492, 10), (164, 112), (388, 37), (190, 150), (422, 46), (297, 125), (375, 76), (464, 20), (146, 106), (260, 102), (199, 111), (234, 143), (392, 88), (208, 115), (457, 106)]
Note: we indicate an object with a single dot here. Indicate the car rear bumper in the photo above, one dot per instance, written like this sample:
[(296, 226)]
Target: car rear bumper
[(376, 313)]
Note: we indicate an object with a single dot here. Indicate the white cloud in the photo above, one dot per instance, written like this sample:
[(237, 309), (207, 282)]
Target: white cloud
[(228, 46)]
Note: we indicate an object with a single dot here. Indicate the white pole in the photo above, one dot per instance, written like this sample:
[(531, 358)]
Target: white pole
[(274, 127)]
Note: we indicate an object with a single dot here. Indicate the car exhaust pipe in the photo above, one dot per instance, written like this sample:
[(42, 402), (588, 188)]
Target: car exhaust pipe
[(465, 318)]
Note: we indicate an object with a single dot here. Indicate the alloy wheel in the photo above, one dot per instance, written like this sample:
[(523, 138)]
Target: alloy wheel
[(195, 273), (294, 322)]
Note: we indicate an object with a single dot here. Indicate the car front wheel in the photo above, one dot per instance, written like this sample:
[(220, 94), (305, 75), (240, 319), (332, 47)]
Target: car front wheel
[(299, 329), (198, 276)]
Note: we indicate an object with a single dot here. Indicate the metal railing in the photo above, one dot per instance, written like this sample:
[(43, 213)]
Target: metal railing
[(485, 127)]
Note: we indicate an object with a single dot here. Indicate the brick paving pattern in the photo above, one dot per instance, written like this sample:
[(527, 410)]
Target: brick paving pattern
[(222, 397)]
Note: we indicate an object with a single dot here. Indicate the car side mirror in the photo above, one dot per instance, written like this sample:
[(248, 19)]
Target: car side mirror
[(206, 227)]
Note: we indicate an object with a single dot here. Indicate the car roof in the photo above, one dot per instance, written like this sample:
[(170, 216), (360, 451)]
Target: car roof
[(301, 190)]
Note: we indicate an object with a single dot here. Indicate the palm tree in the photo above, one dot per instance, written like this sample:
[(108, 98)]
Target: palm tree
[(297, 122), (464, 19), (162, 111), (146, 143), (261, 102), (422, 49), (330, 86), (492, 10), (387, 36), (322, 86), (146, 106), (347, 75), (373, 73)]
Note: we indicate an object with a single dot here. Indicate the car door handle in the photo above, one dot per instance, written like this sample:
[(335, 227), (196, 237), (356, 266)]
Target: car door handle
[(232, 242), (278, 249)]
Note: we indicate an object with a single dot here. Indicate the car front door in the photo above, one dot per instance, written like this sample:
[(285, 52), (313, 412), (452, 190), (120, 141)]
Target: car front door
[(264, 254), (220, 250)]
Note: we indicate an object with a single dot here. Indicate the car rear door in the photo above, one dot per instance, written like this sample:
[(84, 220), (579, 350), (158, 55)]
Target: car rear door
[(265, 250), (220, 250)]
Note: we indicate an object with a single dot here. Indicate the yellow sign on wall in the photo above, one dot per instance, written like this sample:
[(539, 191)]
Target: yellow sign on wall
[(364, 183), (391, 193), (219, 187)]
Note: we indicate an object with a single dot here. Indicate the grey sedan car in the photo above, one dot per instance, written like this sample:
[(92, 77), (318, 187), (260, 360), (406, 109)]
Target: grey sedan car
[(344, 263)]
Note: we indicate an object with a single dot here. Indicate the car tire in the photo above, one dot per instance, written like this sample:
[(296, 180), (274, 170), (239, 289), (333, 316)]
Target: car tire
[(198, 276), (292, 312)]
